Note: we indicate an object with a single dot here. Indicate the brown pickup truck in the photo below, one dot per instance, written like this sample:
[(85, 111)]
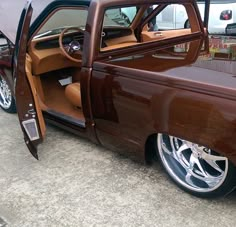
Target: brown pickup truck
[(126, 84)]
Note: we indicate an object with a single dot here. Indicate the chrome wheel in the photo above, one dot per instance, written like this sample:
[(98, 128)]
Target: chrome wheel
[(194, 167), (7, 102), (5, 94)]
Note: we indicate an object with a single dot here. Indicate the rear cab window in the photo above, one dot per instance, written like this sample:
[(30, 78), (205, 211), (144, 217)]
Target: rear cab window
[(122, 25), (150, 37)]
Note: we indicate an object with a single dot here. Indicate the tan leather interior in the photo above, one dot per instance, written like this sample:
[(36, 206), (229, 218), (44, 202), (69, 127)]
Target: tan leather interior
[(55, 98), (46, 68), (72, 93), (147, 36), (160, 35), (120, 40), (48, 65), (35, 95), (45, 60), (117, 46)]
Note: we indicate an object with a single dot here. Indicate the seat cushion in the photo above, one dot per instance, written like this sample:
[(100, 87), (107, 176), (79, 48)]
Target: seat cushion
[(72, 93)]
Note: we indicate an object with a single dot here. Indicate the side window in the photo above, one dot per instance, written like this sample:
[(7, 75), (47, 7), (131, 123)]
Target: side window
[(169, 21), (117, 29), (174, 16), (157, 22), (162, 59), (63, 18)]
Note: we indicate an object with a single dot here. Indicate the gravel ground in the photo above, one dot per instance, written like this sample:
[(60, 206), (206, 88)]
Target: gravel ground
[(76, 183)]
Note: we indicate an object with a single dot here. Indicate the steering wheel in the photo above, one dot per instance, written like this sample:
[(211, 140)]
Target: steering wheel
[(73, 47)]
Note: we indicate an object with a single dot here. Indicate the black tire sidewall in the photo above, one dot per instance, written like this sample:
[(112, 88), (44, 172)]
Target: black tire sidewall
[(12, 107)]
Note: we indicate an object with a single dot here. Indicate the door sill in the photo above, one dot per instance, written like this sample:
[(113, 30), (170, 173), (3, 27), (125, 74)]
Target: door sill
[(66, 118)]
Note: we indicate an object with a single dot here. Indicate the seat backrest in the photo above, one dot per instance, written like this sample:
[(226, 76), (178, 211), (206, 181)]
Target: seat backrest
[(72, 93)]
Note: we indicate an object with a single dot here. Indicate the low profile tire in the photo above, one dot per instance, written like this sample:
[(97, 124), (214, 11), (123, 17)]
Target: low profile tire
[(7, 101), (194, 168)]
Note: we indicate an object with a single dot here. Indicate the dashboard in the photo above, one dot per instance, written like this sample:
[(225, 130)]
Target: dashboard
[(46, 53), (47, 56)]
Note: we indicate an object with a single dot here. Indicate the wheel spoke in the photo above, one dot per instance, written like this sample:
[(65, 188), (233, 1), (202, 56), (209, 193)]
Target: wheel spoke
[(165, 149), (201, 174), (188, 179), (182, 148), (195, 161), (178, 154), (214, 165), (210, 157), (5, 94)]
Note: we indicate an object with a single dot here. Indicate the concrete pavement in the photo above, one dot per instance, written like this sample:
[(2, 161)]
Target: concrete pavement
[(76, 183)]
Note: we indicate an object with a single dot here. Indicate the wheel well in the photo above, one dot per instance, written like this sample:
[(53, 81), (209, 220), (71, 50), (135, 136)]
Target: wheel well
[(150, 149)]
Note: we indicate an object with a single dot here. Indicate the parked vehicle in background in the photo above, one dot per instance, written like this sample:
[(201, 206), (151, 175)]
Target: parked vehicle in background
[(222, 13), (174, 16), (7, 101), (83, 66)]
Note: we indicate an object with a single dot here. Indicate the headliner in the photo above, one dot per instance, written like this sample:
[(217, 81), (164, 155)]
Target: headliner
[(10, 12)]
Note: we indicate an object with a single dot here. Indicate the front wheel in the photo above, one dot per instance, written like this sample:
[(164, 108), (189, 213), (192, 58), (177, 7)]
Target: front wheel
[(195, 168), (7, 101)]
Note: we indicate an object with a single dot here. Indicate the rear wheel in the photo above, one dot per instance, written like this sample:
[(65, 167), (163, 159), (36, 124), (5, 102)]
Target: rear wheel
[(7, 101), (195, 168)]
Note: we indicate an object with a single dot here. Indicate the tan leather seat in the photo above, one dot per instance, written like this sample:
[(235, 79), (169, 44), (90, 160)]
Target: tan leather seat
[(72, 93)]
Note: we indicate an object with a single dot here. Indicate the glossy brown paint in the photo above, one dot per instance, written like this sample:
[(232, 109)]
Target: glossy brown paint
[(150, 106), (125, 102), (95, 21), (84, 129), (25, 99), (130, 104), (122, 103), (85, 80)]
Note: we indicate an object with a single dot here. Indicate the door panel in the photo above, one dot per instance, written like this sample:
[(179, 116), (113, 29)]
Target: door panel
[(35, 94), (29, 112)]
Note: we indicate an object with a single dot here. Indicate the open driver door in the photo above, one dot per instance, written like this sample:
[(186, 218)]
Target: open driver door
[(28, 108)]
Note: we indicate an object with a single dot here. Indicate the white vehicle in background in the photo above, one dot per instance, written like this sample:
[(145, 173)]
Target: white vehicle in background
[(222, 13)]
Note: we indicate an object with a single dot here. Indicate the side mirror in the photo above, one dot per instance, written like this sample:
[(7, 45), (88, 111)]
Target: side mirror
[(230, 29)]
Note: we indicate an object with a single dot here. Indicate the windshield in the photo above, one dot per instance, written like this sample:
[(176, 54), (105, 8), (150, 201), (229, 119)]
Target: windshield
[(62, 19)]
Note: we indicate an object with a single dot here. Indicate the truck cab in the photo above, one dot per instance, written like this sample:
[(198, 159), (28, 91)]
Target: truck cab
[(83, 66)]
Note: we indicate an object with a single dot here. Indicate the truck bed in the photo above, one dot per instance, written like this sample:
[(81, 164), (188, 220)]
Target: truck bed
[(216, 77), (213, 77)]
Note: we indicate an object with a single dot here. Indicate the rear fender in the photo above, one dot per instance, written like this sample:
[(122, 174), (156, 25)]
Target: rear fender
[(199, 118)]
